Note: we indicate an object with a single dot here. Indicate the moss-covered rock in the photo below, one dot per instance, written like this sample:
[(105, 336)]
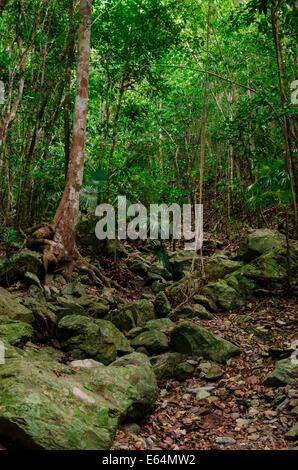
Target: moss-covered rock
[(257, 242), (158, 286), (16, 333), (185, 311), (139, 374), (85, 337), (201, 312), (219, 265), (172, 365), (236, 289), (210, 371), (138, 265), (114, 248), (44, 319), (161, 324), (292, 434), (160, 270), (181, 263), (285, 372), (224, 295), (14, 268), (193, 340), (133, 314), (162, 305), (153, 340), (10, 306), (47, 405), (84, 305), (207, 303), (73, 289)]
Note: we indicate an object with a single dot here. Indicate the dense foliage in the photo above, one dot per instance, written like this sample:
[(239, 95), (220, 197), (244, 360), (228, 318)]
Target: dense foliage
[(145, 105)]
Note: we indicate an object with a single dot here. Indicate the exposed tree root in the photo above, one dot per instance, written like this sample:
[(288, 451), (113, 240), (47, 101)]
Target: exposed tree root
[(42, 239)]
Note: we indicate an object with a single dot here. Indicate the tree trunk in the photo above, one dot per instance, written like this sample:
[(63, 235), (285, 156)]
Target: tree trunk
[(62, 246), (70, 54), (290, 160)]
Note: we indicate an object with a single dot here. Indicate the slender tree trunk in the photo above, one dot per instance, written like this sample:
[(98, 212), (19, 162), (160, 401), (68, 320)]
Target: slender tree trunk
[(289, 154), (121, 93), (70, 54)]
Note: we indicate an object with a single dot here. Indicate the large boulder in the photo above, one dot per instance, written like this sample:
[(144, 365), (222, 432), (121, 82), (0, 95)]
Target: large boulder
[(219, 265), (257, 242), (285, 372), (46, 405), (193, 340), (133, 314), (11, 307), (15, 332), (237, 288), (85, 337), (14, 268)]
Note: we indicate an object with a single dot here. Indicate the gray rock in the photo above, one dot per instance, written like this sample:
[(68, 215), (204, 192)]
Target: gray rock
[(225, 440)]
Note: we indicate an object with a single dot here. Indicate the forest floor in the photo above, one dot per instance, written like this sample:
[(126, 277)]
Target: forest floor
[(237, 413), (239, 407)]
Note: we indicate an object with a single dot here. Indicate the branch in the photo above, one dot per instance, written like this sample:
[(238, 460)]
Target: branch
[(196, 70)]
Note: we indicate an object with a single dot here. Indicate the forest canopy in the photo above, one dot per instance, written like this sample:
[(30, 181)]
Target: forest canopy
[(146, 99)]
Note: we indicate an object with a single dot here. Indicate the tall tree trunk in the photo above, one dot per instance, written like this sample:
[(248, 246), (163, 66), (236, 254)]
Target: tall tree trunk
[(63, 246), (203, 127)]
